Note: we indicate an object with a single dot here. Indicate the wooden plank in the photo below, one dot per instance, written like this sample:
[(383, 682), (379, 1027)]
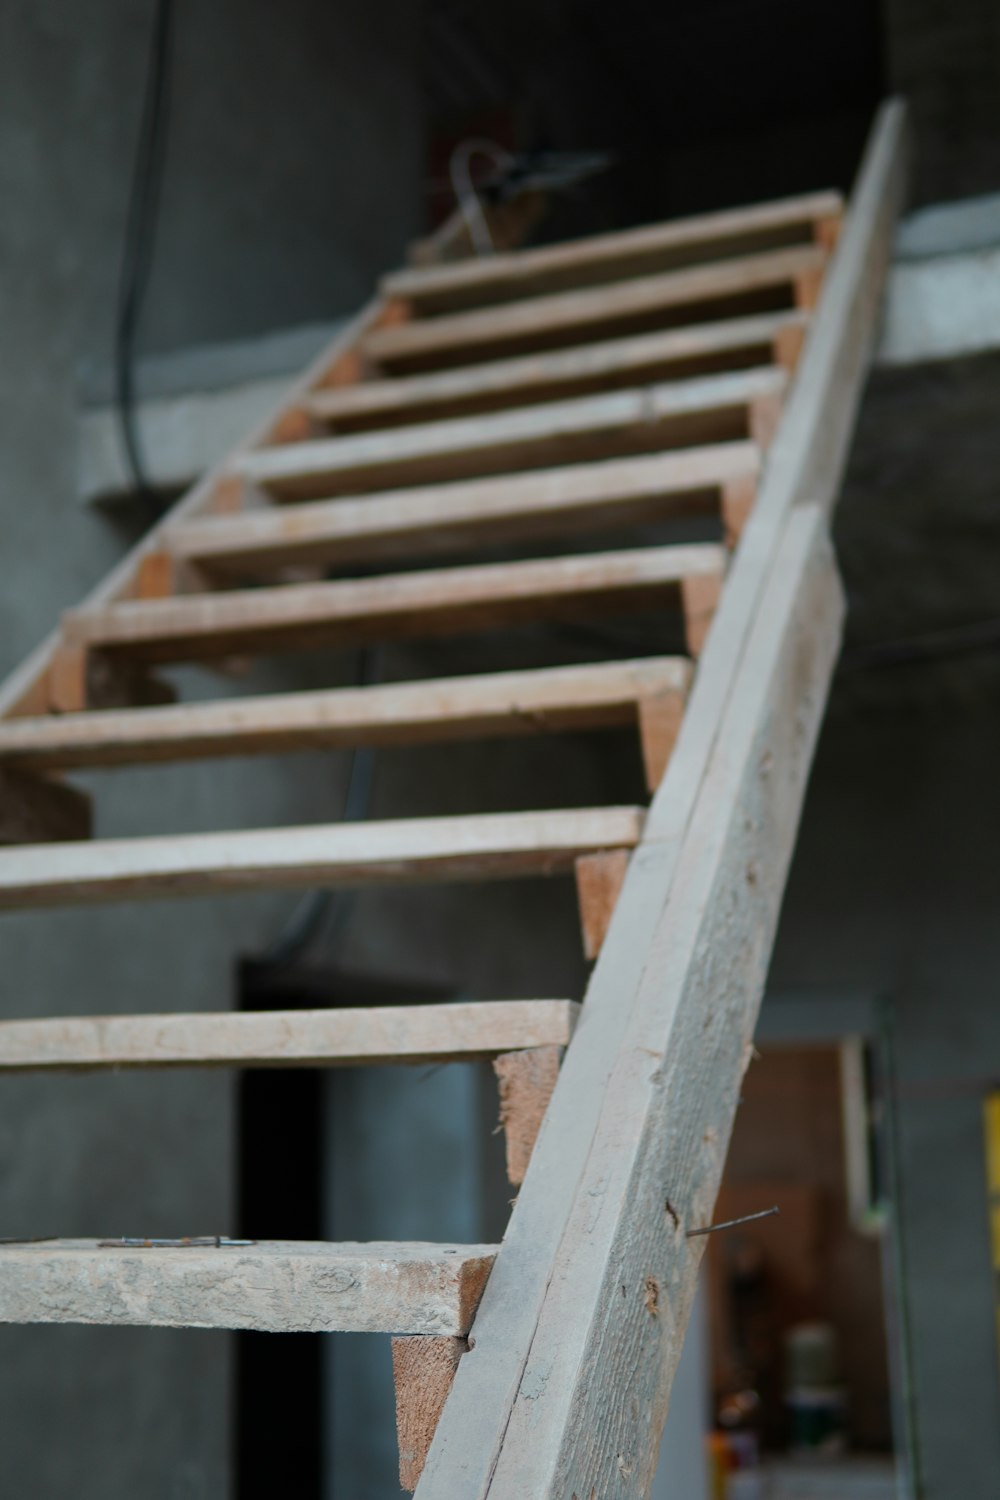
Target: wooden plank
[(471, 1436), (615, 256), (422, 1370), (655, 1164), (275, 1286), (495, 846), (712, 409), (35, 809), (300, 1038), (546, 701), (448, 518), (675, 353), (443, 601), (700, 294)]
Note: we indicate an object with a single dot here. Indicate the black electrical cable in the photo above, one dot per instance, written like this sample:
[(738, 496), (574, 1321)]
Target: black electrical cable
[(140, 232)]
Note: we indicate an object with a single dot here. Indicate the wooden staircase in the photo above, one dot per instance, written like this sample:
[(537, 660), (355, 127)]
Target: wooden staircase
[(700, 373)]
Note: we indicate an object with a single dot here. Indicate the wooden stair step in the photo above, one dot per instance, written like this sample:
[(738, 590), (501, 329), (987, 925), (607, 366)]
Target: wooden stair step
[(622, 254), (278, 1286), (441, 601), (472, 513), (493, 846), (677, 353), (547, 700), (677, 414), (297, 1038), (767, 282)]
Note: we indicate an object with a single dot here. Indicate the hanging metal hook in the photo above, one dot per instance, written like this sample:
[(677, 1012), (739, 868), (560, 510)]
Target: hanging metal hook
[(465, 190)]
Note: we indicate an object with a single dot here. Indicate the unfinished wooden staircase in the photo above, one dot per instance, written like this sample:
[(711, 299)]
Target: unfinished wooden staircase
[(702, 372)]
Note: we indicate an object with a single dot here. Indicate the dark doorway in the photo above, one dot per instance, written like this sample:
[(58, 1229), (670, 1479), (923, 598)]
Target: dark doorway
[(280, 1174)]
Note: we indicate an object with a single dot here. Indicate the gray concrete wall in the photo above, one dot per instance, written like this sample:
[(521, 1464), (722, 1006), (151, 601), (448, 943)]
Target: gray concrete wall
[(946, 60), (896, 884), (293, 176)]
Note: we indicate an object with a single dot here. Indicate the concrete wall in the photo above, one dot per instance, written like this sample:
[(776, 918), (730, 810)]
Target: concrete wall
[(895, 884), (946, 60), (293, 176)]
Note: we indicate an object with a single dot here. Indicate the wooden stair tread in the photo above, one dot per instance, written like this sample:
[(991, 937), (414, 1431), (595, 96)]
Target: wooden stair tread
[(278, 1286), (434, 602), (724, 289), (675, 352), (606, 257), (295, 1038), (485, 846), (451, 517), (711, 408), (500, 703)]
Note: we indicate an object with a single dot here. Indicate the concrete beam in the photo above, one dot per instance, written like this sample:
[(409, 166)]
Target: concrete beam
[(942, 302)]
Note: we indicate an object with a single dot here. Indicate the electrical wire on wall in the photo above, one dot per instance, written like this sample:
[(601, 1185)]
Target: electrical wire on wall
[(145, 192)]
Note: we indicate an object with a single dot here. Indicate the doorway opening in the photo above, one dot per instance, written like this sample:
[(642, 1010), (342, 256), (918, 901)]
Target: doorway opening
[(807, 1373)]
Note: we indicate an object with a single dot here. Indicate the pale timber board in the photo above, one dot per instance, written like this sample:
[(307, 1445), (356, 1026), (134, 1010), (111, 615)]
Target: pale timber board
[(494, 846), (436, 602), (609, 257), (500, 704), (470, 1437), (755, 284), (341, 1037), (290, 1286), (713, 408), (448, 518), (675, 353), (23, 690), (668, 1108)]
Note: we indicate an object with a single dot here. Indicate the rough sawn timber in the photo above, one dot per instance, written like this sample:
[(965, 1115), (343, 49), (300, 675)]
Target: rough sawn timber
[(448, 518), (675, 354), (807, 458), (678, 414), (625, 1273), (615, 256), (438, 601), (290, 1286), (493, 846), (422, 1370), (544, 701), (698, 294), (340, 1037)]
